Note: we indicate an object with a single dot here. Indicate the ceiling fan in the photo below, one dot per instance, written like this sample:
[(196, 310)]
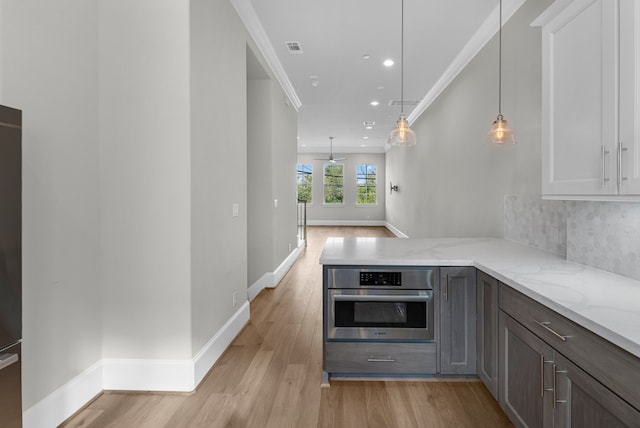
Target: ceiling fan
[(331, 158)]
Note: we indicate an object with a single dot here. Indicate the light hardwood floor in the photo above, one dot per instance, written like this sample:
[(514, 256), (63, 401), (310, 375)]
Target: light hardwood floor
[(270, 375)]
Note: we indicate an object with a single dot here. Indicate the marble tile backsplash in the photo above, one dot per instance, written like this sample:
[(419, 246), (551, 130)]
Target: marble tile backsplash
[(605, 235), (536, 222)]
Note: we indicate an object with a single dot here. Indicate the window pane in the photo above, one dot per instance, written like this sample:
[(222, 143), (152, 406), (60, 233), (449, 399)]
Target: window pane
[(366, 183), (305, 180), (333, 183)]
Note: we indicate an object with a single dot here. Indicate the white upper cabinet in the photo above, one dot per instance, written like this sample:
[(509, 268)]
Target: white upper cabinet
[(629, 92), (590, 99)]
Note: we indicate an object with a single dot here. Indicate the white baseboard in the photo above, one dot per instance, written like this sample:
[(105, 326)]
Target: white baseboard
[(395, 230), (66, 400), (133, 375), (345, 223), (272, 279), (211, 351), (265, 281), (121, 374), (284, 267)]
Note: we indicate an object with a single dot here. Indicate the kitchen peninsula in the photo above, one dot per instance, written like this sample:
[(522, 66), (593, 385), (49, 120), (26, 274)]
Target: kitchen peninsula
[(577, 325)]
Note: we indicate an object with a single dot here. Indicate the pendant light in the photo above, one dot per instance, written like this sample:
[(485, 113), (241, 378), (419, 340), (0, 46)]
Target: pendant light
[(500, 132), (402, 134)]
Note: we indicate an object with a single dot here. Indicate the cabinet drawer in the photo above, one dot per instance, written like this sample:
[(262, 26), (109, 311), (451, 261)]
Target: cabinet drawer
[(611, 365), (380, 358)]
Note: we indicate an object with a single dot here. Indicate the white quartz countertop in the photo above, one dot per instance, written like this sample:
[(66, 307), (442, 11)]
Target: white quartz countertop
[(603, 302)]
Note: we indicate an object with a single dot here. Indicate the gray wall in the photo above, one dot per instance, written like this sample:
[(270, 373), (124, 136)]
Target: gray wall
[(349, 213), (271, 160), (452, 183), (135, 149), (49, 70), (145, 179), (284, 132), (260, 202)]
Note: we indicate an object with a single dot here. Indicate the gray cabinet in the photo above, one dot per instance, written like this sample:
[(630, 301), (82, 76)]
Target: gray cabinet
[(581, 401), (487, 331), (555, 373), (457, 320), (523, 392)]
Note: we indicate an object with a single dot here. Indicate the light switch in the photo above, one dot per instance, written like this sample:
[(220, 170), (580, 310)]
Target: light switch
[(275, 203), (236, 210)]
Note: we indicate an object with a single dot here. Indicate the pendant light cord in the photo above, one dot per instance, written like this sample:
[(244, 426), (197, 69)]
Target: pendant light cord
[(500, 62), (402, 57)]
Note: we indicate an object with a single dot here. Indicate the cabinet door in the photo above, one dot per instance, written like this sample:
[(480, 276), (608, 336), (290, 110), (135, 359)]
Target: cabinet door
[(458, 320), (579, 90), (525, 375), (487, 331), (583, 402), (629, 93)]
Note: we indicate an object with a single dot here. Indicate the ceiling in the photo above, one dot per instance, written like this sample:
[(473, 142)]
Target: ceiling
[(332, 83)]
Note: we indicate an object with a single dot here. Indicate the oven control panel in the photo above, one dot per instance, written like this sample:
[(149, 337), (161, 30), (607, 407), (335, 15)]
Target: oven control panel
[(381, 278)]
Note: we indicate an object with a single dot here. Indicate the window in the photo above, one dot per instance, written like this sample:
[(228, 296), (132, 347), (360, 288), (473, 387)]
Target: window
[(366, 182), (333, 183), (305, 179)]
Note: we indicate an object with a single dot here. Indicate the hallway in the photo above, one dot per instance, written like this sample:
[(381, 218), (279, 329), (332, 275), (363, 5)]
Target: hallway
[(270, 375)]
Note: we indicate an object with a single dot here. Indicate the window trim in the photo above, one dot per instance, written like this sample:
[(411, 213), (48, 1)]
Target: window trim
[(309, 204), (359, 204), (324, 184)]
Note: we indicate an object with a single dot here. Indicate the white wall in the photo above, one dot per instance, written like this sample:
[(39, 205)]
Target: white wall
[(49, 70), (145, 178), (452, 183), (349, 213)]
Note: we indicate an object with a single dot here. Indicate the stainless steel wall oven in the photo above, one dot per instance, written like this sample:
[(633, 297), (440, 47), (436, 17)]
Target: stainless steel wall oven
[(381, 304)]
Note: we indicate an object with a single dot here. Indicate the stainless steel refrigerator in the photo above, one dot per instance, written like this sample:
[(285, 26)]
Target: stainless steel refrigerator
[(10, 267)]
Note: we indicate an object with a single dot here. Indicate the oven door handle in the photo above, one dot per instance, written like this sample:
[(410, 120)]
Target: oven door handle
[(423, 296)]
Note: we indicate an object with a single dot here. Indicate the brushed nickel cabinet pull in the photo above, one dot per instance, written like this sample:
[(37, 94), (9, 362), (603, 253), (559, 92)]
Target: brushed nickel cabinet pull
[(381, 360), (603, 153), (621, 177), (554, 386), (544, 324), (446, 288), (541, 376), (7, 359), (555, 374)]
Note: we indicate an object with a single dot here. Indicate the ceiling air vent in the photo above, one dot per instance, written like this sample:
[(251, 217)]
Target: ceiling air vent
[(406, 103), (293, 47)]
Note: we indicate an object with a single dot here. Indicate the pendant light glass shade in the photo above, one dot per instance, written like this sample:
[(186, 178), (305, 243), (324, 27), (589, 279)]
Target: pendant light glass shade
[(500, 132), (402, 134)]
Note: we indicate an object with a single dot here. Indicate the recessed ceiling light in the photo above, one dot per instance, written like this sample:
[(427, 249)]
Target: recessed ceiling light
[(366, 56), (363, 145), (368, 127), (368, 123), (374, 103), (388, 62), (380, 88), (365, 138)]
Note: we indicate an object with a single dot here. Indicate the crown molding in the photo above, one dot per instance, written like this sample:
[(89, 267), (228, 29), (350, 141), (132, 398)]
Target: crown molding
[(479, 39), (251, 21)]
